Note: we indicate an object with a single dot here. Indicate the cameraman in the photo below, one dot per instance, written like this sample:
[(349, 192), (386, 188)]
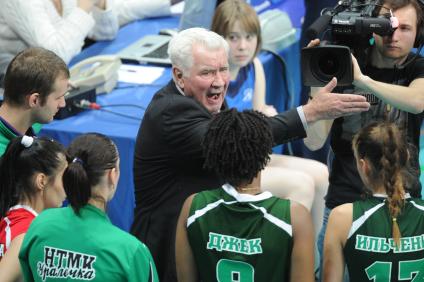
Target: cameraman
[(395, 80)]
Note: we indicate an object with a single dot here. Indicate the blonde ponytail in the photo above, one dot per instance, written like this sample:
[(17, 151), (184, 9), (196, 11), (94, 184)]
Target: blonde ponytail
[(396, 232)]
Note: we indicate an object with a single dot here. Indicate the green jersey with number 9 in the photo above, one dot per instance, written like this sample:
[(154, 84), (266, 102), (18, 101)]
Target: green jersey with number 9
[(240, 237), (370, 251)]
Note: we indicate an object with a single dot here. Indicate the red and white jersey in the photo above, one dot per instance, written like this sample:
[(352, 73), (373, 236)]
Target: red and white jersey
[(16, 222)]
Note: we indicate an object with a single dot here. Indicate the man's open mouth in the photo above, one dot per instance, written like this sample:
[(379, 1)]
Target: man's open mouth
[(213, 96)]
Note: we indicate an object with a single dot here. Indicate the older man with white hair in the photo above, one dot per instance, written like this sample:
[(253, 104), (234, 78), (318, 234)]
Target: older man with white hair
[(168, 165)]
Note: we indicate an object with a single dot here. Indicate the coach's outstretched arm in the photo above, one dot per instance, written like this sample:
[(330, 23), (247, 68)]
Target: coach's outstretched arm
[(326, 105), (323, 107)]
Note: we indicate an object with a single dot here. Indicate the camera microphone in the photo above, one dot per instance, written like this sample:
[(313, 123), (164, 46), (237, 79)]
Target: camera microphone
[(318, 26), (394, 22)]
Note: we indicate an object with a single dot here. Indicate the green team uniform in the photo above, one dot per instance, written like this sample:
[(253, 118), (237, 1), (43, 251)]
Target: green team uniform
[(240, 237), (370, 251), (61, 246), (7, 133)]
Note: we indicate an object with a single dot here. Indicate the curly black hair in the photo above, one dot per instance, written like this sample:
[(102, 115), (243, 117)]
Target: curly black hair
[(237, 145)]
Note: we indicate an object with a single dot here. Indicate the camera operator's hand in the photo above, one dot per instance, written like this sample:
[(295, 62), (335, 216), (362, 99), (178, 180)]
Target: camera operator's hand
[(326, 105), (358, 76), (313, 43)]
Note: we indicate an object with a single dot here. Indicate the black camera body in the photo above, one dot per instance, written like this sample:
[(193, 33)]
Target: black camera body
[(351, 24), (320, 64), (357, 20)]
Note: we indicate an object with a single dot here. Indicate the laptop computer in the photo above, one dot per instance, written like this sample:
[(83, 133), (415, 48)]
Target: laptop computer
[(148, 49), (154, 48)]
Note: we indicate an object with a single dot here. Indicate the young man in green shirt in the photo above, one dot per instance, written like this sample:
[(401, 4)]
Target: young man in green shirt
[(35, 84)]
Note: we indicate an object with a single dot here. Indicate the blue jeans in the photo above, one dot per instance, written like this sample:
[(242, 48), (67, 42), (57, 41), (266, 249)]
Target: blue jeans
[(321, 236), (320, 244)]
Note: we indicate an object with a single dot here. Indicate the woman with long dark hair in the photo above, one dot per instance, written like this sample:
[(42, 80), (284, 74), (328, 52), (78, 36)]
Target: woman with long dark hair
[(31, 172), (79, 242)]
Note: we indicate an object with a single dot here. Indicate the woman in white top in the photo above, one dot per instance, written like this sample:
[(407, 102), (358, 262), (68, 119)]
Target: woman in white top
[(62, 25)]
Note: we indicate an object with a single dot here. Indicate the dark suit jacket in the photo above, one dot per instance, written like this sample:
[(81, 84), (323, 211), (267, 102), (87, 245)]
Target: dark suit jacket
[(168, 167)]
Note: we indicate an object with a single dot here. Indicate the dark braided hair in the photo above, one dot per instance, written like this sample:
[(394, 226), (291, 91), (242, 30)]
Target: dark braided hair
[(386, 149), (237, 145)]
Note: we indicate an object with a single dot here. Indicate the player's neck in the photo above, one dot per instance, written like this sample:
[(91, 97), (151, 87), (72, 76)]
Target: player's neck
[(252, 188), (234, 70), (36, 203), (98, 202), (99, 196), (249, 190), (17, 117), (379, 190)]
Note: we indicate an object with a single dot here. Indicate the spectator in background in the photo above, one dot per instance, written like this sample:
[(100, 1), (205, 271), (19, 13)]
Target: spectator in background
[(197, 13), (79, 242), (237, 147), (31, 180), (389, 216), (131, 10), (35, 84), (302, 180), (62, 25)]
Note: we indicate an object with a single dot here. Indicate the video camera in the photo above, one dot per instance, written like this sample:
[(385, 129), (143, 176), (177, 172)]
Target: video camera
[(351, 24)]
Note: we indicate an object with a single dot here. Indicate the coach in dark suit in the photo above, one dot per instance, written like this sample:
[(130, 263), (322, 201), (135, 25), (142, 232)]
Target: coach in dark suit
[(168, 164)]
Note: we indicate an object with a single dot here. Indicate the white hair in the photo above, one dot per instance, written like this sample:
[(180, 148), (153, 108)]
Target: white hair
[(180, 48)]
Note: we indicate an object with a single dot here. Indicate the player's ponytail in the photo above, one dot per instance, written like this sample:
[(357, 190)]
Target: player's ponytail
[(383, 145), (394, 158), (90, 155)]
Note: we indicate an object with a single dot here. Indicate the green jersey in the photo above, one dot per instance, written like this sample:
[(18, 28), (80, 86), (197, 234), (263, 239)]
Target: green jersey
[(240, 237), (7, 133), (370, 251), (61, 246)]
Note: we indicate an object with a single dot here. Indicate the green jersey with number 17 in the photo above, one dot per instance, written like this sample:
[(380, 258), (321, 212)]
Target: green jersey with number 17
[(370, 251)]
